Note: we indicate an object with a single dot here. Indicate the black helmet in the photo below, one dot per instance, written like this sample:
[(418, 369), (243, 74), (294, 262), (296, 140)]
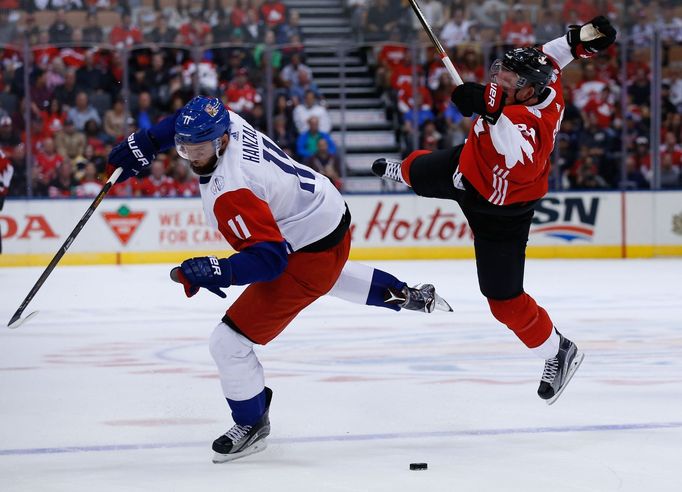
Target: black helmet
[(530, 64)]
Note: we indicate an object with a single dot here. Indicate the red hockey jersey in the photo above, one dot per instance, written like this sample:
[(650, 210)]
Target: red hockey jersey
[(509, 162)]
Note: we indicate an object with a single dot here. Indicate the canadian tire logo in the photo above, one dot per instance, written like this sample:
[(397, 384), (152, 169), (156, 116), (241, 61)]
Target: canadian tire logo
[(123, 222)]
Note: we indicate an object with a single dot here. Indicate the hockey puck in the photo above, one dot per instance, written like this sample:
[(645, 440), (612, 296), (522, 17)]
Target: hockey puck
[(419, 466)]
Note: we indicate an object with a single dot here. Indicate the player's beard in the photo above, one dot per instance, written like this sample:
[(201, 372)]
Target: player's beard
[(204, 169)]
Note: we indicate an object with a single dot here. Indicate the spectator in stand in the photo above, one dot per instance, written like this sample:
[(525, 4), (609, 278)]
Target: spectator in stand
[(83, 111), (602, 107), (53, 117), (185, 183), (358, 15), (456, 30), (47, 161), (273, 14), (470, 68), (30, 29), (275, 53), (195, 32), (9, 32), (291, 30), (634, 178), (125, 34), (517, 31), (589, 86), (66, 93), (253, 28), (579, 11), (9, 137), (241, 96), (284, 107), (587, 176), (64, 183), (94, 136), (157, 183), (434, 13), (70, 142), (41, 95), (146, 115), (311, 107), (670, 173), (643, 30), (380, 21), (17, 159), (90, 77), (92, 32), (45, 52), (306, 145), (640, 88), (282, 135), (240, 13), (162, 32), (222, 30), (54, 75), (290, 73), (114, 121), (60, 31), (548, 26), (490, 13), (326, 163), (89, 185), (414, 111), (301, 85), (430, 139)]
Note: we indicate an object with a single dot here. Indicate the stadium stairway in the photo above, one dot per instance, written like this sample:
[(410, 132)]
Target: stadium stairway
[(325, 25)]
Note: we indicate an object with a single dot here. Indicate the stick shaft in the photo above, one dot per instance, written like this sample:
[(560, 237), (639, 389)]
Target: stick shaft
[(436, 43), (86, 216)]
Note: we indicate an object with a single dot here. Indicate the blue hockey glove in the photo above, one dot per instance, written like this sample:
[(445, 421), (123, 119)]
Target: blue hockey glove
[(205, 271), (133, 154)]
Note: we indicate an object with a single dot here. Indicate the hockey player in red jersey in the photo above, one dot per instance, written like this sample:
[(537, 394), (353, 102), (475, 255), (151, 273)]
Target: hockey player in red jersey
[(290, 228), (499, 174)]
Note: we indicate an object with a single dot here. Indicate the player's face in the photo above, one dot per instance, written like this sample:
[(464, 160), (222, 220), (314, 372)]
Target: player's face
[(514, 90), (203, 156)]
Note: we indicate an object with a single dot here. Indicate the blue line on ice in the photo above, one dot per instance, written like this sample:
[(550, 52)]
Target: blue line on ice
[(350, 437)]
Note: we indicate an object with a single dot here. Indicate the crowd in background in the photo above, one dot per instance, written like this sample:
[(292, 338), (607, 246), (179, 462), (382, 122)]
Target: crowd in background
[(77, 110)]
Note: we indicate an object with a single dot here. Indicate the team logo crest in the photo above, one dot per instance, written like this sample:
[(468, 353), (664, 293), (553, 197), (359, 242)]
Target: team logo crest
[(217, 184), (211, 109)]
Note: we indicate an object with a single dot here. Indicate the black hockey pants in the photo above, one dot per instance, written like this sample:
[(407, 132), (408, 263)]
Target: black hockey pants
[(500, 232)]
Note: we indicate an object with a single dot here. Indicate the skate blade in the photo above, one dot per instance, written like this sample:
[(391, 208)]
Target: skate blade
[(257, 447), (441, 304), (571, 371)]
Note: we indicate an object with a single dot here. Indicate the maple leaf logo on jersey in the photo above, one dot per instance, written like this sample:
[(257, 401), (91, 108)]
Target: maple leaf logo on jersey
[(512, 141), (123, 222)]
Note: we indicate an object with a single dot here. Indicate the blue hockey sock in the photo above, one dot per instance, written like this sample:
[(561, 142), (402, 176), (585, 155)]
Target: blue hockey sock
[(380, 282), (248, 412)]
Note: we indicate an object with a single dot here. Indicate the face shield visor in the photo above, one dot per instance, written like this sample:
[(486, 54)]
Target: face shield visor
[(505, 78), (198, 152)]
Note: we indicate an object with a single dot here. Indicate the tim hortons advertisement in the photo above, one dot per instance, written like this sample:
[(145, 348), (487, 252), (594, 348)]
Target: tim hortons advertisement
[(381, 223)]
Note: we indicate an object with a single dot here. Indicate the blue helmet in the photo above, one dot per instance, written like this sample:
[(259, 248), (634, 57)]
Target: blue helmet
[(201, 120)]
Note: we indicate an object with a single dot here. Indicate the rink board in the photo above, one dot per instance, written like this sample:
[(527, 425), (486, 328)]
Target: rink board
[(398, 226)]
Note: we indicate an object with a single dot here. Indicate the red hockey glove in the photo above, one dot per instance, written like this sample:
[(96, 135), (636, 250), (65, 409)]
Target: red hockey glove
[(486, 100), (591, 38)]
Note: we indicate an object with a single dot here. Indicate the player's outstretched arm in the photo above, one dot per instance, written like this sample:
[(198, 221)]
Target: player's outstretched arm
[(140, 148), (584, 41), (258, 263)]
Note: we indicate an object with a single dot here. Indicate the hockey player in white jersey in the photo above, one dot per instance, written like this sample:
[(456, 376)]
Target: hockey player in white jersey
[(290, 228)]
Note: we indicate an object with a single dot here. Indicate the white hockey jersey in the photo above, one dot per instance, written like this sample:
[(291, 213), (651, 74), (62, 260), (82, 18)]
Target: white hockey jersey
[(258, 193)]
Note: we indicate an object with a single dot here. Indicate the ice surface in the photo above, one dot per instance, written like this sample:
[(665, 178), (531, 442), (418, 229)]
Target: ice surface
[(111, 387)]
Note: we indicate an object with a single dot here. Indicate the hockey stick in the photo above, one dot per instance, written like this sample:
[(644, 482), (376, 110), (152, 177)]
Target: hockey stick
[(17, 320), (439, 47)]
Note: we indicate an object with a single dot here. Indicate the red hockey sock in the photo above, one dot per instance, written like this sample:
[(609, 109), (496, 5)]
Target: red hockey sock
[(405, 167), (524, 317)]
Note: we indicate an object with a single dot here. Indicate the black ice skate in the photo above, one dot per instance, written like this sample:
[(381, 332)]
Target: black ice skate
[(388, 169), (243, 440), (559, 370), (421, 297)]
